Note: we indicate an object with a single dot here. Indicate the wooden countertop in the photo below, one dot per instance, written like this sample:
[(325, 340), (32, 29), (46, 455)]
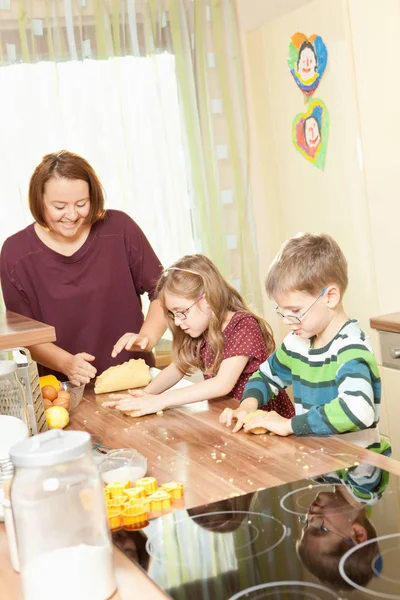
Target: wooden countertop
[(386, 322), (18, 331), (188, 444)]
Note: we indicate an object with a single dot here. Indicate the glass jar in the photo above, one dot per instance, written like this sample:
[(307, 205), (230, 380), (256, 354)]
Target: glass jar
[(64, 543), (12, 395)]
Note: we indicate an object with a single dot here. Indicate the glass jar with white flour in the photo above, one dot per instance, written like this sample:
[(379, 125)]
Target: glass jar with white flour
[(64, 544)]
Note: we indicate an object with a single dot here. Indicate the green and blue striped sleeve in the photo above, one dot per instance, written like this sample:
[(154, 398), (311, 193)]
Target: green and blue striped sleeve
[(353, 409), (273, 376)]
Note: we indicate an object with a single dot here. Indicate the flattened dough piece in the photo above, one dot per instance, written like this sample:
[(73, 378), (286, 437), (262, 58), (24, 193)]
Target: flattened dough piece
[(132, 413), (131, 374), (250, 416)]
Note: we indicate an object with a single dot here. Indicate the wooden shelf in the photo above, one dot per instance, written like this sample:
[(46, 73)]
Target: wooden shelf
[(16, 330)]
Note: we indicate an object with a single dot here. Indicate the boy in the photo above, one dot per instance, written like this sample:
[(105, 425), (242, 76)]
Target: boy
[(339, 519), (325, 358)]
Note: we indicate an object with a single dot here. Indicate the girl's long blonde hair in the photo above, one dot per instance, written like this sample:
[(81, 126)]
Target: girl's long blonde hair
[(190, 277)]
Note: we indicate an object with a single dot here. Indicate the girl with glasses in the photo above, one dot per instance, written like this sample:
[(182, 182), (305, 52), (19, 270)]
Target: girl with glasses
[(214, 331)]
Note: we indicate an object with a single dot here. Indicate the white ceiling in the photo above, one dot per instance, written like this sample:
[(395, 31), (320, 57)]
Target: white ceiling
[(254, 13)]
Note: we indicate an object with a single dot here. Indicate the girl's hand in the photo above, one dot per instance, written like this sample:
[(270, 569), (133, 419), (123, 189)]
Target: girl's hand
[(117, 397), (78, 368), (140, 405), (130, 341), (271, 421), (229, 414)]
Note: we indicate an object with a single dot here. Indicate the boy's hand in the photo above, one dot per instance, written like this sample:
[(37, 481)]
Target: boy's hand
[(229, 414), (271, 421)]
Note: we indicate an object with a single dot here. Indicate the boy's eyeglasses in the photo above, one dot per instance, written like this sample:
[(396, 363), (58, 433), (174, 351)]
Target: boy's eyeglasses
[(292, 319), (182, 314), (318, 523)]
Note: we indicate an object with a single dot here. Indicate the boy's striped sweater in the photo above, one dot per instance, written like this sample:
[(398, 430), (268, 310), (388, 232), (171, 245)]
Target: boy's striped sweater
[(337, 389)]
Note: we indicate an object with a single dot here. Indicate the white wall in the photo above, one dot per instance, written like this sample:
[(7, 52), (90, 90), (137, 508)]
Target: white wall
[(375, 39), (346, 200)]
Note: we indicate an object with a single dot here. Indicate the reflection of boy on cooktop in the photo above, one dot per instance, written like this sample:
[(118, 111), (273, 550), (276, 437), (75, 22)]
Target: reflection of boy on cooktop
[(339, 520)]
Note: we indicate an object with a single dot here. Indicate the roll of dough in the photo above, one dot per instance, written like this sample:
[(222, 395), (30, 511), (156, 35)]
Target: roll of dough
[(131, 374), (250, 416)]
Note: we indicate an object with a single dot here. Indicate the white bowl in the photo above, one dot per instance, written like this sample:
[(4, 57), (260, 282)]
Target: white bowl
[(124, 464), (12, 430)]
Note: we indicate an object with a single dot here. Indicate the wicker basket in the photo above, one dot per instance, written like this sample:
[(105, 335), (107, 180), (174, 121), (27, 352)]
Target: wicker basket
[(29, 377)]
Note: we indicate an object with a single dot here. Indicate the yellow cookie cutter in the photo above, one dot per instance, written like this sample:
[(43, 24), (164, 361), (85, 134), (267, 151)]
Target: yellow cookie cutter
[(174, 488), (148, 483)]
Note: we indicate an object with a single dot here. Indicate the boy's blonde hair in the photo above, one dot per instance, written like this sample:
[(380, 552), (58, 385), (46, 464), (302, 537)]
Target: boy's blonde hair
[(190, 277), (307, 263)]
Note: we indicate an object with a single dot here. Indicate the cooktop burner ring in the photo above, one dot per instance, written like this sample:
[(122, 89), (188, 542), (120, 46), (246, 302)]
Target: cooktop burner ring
[(375, 593), (293, 584), (306, 489), (155, 553)]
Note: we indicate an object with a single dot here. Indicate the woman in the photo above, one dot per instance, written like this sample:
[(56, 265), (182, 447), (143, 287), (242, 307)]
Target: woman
[(81, 269)]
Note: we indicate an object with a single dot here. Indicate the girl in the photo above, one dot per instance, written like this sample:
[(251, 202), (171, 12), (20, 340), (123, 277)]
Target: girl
[(213, 330)]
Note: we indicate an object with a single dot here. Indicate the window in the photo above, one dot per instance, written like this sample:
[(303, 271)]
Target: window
[(123, 116)]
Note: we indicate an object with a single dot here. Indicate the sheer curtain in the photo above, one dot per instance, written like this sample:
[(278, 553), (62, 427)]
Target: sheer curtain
[(151, 93), (130, 133)]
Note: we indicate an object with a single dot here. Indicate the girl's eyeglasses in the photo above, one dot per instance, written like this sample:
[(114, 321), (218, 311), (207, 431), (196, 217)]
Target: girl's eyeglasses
[(182, 314), (293, 319), (318, 523)]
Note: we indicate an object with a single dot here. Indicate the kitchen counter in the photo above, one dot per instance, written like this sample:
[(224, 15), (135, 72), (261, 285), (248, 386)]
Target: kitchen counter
[(386, 322), (188, 444), (18, 331)]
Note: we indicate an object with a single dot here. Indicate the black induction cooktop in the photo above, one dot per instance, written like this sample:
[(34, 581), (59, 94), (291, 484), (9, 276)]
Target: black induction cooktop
[(328, 538)]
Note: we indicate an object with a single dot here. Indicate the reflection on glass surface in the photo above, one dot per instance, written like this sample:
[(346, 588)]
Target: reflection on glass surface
[(314, 536)]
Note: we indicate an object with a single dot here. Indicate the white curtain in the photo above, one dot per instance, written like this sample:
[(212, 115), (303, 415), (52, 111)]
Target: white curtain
[(123, 116)]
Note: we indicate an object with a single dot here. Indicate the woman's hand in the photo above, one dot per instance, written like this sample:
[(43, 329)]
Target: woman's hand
[(271, 421), (130, 341), (78, 368), (229, 414), (146, 404)]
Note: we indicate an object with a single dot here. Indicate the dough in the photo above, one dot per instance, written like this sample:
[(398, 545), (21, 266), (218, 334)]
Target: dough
[(250, 416), (132, 413), (131, 374)]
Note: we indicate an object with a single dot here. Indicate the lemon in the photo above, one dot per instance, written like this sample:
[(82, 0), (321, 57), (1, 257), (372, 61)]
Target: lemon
[(49, 380), (57, 417)]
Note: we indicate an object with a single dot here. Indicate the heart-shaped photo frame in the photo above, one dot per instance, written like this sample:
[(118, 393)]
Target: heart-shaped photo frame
[(310, 133), (307, 60)]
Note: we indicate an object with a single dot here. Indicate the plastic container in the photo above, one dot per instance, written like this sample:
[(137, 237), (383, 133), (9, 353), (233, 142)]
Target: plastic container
[(76, 392), (122, 465), (63, 539)]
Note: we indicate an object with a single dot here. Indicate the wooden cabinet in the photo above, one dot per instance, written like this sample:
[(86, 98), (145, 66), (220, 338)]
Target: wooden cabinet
[(16, 331), (391, 408), (388, 327)]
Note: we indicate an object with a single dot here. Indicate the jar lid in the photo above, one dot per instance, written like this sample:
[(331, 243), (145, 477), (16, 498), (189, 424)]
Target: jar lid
[(50, 448), (7, 366)]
